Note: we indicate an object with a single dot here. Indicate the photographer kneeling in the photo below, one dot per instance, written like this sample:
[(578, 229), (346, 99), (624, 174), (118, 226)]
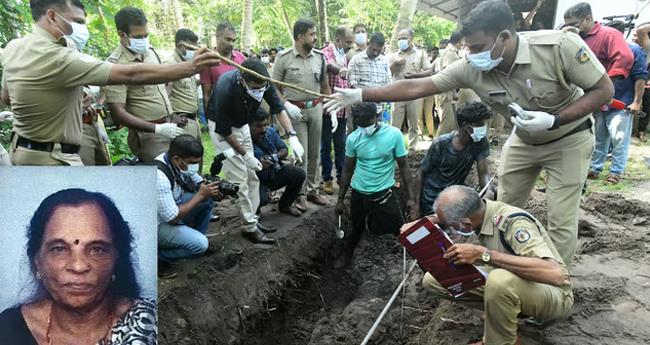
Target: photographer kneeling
[(184, 201), (270, 150)]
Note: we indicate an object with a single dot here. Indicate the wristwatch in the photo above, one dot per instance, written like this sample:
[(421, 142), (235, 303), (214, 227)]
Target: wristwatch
[(486, 256), (290, 134)]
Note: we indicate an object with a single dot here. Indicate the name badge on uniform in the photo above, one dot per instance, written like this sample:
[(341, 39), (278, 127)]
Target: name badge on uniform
[(582, 56)]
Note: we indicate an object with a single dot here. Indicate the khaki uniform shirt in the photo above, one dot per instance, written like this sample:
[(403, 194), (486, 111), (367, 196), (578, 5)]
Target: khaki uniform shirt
[(533, 80), (416, 61), (148, 102), (354, 51), (44, 78), (449, 56), (306, 72), (507, 231), (184, 96)]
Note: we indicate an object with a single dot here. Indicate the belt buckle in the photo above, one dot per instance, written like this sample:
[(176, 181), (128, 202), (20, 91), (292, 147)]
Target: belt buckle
[(309, 104)]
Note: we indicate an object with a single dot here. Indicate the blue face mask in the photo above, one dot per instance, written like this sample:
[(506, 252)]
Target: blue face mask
[(478, 133), (189, 55), (403, 44), (139, 45), (483, 61)]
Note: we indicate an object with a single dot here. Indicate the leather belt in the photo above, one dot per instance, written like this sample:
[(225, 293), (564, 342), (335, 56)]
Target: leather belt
[(581, 127), (46, 147), (307, 104), (186, 115), (159, 121)]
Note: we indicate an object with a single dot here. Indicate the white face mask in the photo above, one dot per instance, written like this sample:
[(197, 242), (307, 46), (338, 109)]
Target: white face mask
[(192, 169), (403, 44), (483, 61), (370, 130), (79, 35), (139, 45), (479, 133), (265, 60), (360, 38), (189, 55), (257, 94)]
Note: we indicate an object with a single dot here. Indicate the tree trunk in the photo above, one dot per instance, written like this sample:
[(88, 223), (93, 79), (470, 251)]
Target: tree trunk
[(247, 27), (285, 17), (323, 30), (178, 14), (404, 20)]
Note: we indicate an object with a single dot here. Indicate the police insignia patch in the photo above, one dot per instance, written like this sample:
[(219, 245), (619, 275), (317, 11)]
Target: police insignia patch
[(522, 235), (582, 56)]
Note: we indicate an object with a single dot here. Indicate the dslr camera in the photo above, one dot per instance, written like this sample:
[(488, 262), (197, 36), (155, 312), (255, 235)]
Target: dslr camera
[(226, 188), (275, 161)]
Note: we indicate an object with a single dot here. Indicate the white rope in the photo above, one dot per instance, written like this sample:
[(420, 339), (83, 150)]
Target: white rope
[(390, 302)]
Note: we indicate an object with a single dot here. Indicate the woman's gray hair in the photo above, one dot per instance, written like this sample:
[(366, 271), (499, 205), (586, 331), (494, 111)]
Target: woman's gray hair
[(464, 203)]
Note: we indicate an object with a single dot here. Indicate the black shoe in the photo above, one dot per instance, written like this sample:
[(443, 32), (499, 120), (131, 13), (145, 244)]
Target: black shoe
[(266, 229), (259, 237), (165, 270), (214, 218)]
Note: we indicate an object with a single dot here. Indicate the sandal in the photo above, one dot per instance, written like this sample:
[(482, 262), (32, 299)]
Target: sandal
[(613, 179), (593, 175)]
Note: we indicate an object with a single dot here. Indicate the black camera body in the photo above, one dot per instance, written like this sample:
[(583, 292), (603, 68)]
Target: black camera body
[(226, 188), (274, 160)]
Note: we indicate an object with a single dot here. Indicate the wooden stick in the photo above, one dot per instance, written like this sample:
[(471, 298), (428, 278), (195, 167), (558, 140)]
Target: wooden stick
[(259, 76)]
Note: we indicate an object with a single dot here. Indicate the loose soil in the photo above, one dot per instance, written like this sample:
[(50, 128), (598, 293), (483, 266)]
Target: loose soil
[(291, 293)]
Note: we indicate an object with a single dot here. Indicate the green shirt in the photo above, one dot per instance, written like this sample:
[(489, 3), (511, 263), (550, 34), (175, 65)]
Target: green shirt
[(375, 154)]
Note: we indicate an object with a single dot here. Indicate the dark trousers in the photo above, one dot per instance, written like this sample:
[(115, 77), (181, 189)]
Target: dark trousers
[(381, 217), (289, 176), (327, 137), (643, 122)]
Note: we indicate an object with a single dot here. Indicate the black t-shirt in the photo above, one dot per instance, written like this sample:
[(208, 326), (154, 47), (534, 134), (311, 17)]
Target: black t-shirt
[(13, 329), (443, 166)]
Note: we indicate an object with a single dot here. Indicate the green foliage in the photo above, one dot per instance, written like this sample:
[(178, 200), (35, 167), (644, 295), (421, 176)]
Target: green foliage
[(5, 134), (118, 146)]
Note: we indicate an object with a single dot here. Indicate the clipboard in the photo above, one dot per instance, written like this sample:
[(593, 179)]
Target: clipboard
[(427, 242)]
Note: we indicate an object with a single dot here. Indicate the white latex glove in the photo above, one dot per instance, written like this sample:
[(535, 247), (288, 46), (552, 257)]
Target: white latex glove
[(168, 130), (293, 111), (532, 121), (335, 121), (296, 147), (252, 162), (6, 115), (344, 98)]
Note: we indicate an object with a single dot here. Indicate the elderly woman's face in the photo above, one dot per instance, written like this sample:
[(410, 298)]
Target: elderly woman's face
[(77, 256)]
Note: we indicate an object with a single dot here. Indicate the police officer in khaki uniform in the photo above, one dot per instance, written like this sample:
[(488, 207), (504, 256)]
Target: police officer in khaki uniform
[(183, 93), (303, 66), (43, 75), (139, 106), (522, 263), (558, 82), (409, 62)]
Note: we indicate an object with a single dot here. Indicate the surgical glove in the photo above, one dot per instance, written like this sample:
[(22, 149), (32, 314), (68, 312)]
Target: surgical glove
[(296, 147), (252, 162), (533, 121), (343, 98), (168, 130), (6, 115), (293, 111), (335, 121)]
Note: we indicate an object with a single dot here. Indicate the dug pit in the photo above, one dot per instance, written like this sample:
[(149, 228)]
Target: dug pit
[(291, 293)]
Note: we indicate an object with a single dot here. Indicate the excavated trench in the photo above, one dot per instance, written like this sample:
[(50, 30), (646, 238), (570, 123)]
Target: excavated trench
[(293, 293)]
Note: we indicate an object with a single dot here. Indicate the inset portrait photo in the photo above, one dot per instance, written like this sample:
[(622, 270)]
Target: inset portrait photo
[(78, 256)]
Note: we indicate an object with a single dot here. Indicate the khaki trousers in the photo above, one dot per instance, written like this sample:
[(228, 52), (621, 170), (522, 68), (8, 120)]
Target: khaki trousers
[(411, 111), (93, 151), (309, 133), (147, 146), (445, 107), (24, 156), (236, 171), (191, 128), (506, 295), (566, 162), (427, 113)]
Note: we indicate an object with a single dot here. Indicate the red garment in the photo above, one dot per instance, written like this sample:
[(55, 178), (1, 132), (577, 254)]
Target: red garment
[(211, 75), (335, 79), (609, 46)]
